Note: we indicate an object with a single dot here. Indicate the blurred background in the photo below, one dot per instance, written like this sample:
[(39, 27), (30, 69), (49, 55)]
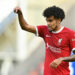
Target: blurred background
[(21, 52)]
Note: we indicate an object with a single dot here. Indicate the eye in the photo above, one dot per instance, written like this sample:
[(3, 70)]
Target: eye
[(50, 20)]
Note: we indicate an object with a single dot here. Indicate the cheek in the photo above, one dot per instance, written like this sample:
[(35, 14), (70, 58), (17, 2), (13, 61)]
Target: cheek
[(53, 25)]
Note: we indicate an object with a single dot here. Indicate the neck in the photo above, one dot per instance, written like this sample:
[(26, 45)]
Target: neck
[(57, 28)]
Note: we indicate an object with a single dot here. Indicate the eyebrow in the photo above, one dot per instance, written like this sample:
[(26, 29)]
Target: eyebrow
[(49, 20)]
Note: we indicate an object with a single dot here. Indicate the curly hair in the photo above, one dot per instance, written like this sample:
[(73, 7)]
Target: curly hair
[(54, 11)]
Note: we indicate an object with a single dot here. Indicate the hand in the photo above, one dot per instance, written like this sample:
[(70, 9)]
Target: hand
[(18, 10), (56, 63)]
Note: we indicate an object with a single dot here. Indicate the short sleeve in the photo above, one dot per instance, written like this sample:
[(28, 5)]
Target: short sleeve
[(72, 41), (40, 30)]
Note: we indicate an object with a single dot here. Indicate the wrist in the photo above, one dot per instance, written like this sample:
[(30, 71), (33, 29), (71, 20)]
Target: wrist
[(61, 58), (19, 13)]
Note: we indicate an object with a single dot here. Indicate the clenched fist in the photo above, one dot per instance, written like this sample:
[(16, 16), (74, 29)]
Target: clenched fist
[(18, 10), (56, 63)]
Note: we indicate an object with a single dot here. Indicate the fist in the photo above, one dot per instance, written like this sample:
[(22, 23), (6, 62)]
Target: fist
[(56, 63), (17, 10)]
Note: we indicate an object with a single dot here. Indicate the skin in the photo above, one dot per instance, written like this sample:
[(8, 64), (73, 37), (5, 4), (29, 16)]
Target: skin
[(53, 25)]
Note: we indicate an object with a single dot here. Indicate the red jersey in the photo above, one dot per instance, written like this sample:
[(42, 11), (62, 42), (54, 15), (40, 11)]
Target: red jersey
[(58, 44)]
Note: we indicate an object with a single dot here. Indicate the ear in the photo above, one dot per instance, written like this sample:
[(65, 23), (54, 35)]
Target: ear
[(59, 20)]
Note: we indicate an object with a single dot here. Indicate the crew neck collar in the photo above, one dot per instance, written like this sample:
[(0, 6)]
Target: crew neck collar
[(58, 30)]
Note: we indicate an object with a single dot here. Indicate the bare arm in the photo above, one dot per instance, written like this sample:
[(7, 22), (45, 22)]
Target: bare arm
[(69, 59), (58, 61), (24, 25)]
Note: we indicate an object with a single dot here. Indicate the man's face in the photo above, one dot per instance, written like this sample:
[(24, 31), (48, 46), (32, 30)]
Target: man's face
[(52, 23)]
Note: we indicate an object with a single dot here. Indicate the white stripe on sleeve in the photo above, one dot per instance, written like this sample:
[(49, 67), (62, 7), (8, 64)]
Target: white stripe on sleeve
[(36, 31), (73, 49)]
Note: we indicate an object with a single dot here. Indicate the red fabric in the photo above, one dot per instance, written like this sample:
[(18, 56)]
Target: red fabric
[(57, 45)]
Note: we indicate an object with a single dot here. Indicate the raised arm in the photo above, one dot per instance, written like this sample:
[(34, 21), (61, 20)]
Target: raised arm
[(24, 25)]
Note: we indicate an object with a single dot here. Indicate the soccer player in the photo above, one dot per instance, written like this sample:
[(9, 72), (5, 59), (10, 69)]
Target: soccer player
[(59, 40)]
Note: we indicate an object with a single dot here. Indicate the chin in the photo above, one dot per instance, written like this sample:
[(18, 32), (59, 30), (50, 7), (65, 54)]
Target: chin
[(50, 30)]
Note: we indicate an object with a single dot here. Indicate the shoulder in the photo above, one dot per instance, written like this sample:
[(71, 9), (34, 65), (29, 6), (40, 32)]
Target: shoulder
[(68, 30), (70, 33)]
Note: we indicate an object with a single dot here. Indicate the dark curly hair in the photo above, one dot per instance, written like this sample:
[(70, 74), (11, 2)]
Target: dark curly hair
[(54, 11)]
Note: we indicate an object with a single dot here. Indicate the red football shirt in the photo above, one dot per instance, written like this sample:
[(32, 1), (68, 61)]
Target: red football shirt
[(58, 44)]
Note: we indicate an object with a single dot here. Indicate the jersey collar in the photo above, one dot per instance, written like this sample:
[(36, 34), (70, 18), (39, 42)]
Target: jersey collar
[(59, 30)]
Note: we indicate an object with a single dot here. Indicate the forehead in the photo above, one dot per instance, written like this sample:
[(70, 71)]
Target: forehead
[(50, 18)]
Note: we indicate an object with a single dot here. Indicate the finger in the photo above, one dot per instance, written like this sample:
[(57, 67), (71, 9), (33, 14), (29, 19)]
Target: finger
[(53, 65), (16, 10)]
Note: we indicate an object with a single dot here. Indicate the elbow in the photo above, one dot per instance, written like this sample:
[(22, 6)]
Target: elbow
[(22, 28)]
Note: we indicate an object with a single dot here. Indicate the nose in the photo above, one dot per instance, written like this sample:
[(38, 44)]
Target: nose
[(48, 22)]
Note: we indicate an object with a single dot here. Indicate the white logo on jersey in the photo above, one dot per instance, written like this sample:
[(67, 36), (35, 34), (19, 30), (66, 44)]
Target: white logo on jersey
[(59, 41), (53, 49), (73, 39), (48, 36)]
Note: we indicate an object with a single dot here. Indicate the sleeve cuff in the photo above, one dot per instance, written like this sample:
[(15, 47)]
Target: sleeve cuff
[(36, 31), (73, 49)]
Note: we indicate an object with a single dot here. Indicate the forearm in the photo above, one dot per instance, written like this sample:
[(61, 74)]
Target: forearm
[(22, 22), (58, 61), (69, 59)]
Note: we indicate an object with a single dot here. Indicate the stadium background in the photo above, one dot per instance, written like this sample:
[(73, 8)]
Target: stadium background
[(21, 52)]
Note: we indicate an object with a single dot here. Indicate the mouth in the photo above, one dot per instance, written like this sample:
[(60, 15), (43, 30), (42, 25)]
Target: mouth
[(49, 28)]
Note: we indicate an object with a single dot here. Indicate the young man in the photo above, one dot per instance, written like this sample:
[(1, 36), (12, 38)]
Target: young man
[(59, 40)]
